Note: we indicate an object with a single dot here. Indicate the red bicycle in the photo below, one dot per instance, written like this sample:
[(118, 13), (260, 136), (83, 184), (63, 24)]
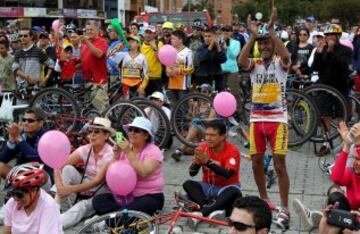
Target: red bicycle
[(135, 222)]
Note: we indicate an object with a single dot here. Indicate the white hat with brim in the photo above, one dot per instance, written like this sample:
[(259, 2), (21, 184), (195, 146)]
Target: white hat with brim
[(142, 123), (158, 95), (104, 124)]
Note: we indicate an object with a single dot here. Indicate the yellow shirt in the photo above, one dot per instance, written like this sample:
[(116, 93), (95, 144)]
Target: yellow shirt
[(152, 60)]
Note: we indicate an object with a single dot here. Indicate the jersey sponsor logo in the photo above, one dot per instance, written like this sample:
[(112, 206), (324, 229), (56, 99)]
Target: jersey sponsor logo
[(232, 161)]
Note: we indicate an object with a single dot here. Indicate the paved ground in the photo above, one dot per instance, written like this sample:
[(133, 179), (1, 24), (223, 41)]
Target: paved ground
[(307, 182)]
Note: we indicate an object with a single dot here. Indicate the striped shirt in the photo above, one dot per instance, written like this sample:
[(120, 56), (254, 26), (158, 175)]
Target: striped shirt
[(29, 61)]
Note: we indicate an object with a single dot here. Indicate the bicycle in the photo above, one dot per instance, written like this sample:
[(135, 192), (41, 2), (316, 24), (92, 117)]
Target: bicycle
[(138, 222)]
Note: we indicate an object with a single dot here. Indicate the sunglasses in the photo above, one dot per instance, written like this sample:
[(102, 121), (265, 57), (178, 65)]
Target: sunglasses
[(303, 34), (23, 35), (205, 91), (18, 194), (239, 226), (95, 131), (29, 120), (135, 130)]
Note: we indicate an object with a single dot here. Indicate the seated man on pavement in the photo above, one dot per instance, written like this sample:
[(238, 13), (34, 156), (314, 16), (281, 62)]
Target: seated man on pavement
[(345, 172), (23, 140), (96, 156), (220, 163), (250, 214)]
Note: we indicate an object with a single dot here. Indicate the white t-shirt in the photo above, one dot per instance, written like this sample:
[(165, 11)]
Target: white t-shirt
[(44, 219), (154, 118), (268, 91)]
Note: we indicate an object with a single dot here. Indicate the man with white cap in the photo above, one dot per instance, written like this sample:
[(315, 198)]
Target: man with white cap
[(150, 49)]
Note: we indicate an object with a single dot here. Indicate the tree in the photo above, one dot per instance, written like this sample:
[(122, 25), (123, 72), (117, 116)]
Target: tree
[(205, 5)]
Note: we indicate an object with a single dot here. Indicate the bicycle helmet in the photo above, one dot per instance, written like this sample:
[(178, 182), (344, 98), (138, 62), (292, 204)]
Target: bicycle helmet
[(263, 31), (15, 37), (28, 175), (198, 24), (333, 29), (70, 27)]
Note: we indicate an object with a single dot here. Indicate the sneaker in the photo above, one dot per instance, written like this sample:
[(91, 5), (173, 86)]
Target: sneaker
[(89, 220), (97, 227), (177, 155), (232, 133), (193, 222), (218, 215), (324, 150), (282, 219), (316, 217), (271, 205), (305, 214)]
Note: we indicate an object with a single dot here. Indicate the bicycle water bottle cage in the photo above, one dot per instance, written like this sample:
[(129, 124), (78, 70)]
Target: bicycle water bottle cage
[(6, 108)]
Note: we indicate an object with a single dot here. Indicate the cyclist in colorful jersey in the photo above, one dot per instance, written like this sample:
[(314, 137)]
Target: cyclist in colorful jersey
[(134, 69), (268, 114), (180, 73), (30, 209), (220, 163)]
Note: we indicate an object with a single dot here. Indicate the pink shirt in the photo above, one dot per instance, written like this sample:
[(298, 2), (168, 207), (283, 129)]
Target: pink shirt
[(93, 167), (44, 219), (153, 183)]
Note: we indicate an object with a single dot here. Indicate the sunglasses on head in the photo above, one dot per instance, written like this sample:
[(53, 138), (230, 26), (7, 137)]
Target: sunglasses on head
[(29, 120), (18, 194), (135, 130), (239, 226)]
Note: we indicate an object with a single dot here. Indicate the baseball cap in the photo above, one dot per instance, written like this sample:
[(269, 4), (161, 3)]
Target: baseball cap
[(158, 95), (135, 38), (37, 28), (149, 28), (310, 19)]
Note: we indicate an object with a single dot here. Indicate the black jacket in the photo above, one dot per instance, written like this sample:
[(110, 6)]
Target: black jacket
[(334, 67), (210, 61)]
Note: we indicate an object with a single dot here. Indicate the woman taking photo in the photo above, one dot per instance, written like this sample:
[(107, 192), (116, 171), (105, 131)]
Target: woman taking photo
[(147, 161), (96, 157)]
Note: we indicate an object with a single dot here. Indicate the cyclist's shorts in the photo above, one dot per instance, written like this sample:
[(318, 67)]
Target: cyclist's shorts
[(273, 132)]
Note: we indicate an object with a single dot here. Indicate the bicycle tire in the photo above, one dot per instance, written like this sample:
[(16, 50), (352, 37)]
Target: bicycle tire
[(162, 132), (179, 120), (354, 110), (314, 91), (112, 221), (68, 117), (301, 105), (122, 113)]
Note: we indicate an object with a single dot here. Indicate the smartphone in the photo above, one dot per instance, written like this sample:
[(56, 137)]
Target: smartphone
[(119, 137), (341, 218)]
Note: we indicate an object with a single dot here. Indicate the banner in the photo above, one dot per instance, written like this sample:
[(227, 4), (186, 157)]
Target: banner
[(11, 12)]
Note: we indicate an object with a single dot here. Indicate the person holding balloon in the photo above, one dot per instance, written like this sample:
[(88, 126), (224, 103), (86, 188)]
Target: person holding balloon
[(138, 182), (96, 157)]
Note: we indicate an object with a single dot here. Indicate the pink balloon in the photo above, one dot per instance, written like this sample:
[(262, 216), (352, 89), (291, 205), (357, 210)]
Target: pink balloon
[(348, 43), (225, 104), (167, 55), (54, 148), (55, 25), (121, 178)]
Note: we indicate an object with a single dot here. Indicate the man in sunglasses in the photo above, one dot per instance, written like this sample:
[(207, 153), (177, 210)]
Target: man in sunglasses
[(22, 142), (250, 215)]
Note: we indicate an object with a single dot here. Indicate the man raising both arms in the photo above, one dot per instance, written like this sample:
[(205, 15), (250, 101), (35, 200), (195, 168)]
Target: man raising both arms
[(268, 115)]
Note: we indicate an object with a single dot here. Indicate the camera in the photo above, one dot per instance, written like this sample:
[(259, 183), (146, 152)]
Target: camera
[(343, 219)]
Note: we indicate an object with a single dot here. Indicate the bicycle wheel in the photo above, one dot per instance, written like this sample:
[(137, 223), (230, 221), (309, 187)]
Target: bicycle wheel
[(354, 110), (121, 113), (138, 222), (181, 119), (60, 107), (332, 107), (303, 117), (160, 122)]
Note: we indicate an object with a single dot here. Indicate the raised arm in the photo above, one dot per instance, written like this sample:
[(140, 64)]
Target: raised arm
[(243, 60)]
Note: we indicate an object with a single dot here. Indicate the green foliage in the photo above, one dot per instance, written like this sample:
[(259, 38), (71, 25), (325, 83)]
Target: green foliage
[(290, 10), (201, 6)]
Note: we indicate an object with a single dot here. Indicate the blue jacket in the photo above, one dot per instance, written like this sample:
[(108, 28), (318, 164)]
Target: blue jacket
[(232, 52), (210, 61), (114, 47), (25, 151)]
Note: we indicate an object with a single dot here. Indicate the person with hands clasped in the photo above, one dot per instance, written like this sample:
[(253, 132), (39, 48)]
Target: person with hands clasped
[(220, 163), (96, 157), (268, 114), (147, 161)]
